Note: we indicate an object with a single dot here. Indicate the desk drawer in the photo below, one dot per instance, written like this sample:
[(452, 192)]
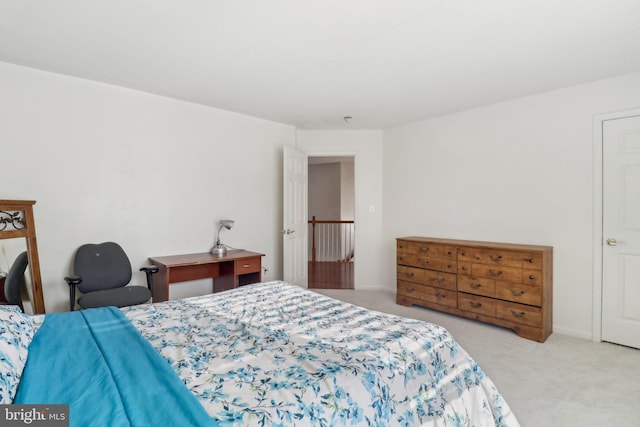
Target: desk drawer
[(193, 272), (248, 265)]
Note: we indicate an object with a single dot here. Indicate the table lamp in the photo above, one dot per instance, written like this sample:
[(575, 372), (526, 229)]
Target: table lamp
[(221, 248)]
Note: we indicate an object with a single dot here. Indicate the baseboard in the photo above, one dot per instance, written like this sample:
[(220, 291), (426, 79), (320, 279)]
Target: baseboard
[(375, 288), (572, 333)]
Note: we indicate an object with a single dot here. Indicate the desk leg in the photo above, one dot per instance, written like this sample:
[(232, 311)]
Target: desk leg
[(161, 285)]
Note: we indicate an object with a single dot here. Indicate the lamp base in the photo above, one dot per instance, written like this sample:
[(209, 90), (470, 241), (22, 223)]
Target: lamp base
[(219, 250)]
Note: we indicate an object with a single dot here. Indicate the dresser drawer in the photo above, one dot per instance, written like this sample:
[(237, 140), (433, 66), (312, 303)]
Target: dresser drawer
[(532, 277), (410, 274), (411, 290), (477, 304), (520, 313), (507, 258), (516, 292), (477, 286), (497, 272), (440, 296), (464, 267), (402, 246), (439, 279), (465, 255), (248, 265), (405, 258), (432, 250), (439, 264), (532, 261), (497, 257), (427, 293)]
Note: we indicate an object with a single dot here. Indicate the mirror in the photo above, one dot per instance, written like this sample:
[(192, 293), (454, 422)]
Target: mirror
[(17, 222), (10, 249)]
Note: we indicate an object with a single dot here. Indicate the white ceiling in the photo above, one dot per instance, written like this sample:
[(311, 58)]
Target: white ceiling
[(310, 63)]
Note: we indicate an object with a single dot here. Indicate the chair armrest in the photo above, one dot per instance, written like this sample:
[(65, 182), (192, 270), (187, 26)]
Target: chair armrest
[(149, 270), (72, 281)]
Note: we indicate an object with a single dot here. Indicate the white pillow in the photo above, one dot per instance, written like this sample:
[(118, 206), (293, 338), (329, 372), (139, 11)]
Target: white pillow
[(16, 332)]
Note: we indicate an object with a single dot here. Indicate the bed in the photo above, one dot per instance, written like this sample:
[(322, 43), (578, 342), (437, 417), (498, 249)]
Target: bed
[(268, 354)]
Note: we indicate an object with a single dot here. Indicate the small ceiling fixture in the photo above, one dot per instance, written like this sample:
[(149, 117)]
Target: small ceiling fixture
[(346, 119)]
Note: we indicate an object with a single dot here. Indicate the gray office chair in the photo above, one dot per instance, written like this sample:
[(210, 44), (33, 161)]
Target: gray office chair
[(14, 282), (102, 273)]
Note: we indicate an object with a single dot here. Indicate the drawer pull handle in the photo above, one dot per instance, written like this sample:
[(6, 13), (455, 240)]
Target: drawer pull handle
[(518, 314), (463, 268), (532, 277), (408, 274), (495, 272), (517, 292), (422, 249), (246, 266), (441, 296), (495, 257), (531, 260), (449, 253), (475, 285), (439, 279), (424, 262), (475, 304), (463, 253)]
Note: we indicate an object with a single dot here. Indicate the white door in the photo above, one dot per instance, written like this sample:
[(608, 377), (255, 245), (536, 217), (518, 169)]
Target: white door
[(294, 227), (621, 231)]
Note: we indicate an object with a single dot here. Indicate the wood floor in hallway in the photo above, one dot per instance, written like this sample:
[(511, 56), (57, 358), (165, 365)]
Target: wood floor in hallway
[(331, 275)]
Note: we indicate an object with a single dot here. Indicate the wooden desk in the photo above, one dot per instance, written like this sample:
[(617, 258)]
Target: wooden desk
[(238, 267)]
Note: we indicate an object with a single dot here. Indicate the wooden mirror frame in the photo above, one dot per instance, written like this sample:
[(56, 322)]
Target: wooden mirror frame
[(16, 220)]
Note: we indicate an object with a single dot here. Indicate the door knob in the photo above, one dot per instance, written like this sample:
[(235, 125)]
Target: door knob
[(612, 242), (287, 231)]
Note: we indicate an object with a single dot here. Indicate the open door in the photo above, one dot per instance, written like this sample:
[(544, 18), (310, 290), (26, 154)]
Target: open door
[(294, 223), (621, 231)]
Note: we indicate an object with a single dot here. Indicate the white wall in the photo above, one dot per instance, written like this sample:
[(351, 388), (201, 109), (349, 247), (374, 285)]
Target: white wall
[(324, 191), (347, 195), (366, 146), (152, 173), (108, 163), (519, 171)]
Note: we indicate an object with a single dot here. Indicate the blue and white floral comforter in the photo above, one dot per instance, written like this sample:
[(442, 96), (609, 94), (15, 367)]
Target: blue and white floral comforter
[(273, 354)]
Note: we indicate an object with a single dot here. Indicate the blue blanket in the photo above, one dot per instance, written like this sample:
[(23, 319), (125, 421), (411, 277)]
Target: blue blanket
[(98, 363)]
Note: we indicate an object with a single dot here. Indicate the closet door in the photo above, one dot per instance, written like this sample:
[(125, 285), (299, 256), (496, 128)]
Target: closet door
[(621, 231)]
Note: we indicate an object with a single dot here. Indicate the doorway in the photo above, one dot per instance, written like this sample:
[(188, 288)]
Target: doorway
[(331, 228)]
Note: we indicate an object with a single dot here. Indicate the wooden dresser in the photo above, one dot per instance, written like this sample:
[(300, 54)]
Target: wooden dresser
[(509, 285)]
